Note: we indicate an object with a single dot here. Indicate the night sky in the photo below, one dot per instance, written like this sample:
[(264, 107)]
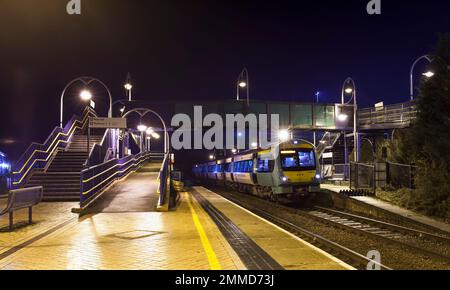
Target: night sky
[(194, 50)]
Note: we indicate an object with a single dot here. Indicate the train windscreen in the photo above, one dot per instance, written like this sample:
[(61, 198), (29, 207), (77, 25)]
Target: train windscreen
[(298, 160)]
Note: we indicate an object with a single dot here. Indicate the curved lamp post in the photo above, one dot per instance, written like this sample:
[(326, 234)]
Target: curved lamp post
[(427, 57), (349, 88), (144, 111), (428, 74), (243, 83), (86, 81)]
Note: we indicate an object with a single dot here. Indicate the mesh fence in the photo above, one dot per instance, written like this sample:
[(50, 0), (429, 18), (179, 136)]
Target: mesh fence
[(362, 177), (400, 175)]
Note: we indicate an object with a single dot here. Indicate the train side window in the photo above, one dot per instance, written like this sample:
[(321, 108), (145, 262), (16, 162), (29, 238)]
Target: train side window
[(265, 165)]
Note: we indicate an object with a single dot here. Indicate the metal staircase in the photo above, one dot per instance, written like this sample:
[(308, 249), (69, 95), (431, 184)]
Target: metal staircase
[(328, 141), (61, 179)]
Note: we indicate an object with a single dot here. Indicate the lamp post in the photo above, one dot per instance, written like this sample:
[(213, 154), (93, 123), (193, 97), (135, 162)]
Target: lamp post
[(128, 87), (428, 74), (85, 94), (243, 83), (143, 112), (349, 88), (142, 128), (317, 102)]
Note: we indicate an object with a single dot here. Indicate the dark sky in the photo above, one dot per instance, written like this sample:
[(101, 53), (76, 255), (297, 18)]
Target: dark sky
[(194, 50)]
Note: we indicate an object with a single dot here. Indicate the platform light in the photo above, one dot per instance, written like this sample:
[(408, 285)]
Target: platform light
[(428, 74), (149, 131), (142, 128), (234, 151), (254, 145), (156, 135), (128, 86), (323, 142), (284, 135), (5, 166), (349, 90), (122, 110), (86, 95), (243, 84), (211, 157), (343, 117)]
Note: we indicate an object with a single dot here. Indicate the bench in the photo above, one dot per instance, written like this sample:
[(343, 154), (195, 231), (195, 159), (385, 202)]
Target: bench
[(21, 199)]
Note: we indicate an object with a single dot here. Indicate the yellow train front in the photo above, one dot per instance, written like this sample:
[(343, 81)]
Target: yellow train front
[(291, 169)]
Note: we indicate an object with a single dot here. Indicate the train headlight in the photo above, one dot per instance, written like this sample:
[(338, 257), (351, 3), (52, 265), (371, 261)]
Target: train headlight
[(284, 179), (318, 176)]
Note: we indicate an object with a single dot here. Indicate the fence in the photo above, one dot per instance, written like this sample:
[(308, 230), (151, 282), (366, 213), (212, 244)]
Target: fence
[(399, 114), (400, 175), (95, 179), (362, 177)]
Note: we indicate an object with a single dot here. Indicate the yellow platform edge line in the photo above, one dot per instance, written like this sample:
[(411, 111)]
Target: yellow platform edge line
[(212, 257), (327, 255)]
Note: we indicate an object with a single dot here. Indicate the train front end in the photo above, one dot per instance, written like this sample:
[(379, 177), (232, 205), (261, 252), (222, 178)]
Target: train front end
[(299, 169)]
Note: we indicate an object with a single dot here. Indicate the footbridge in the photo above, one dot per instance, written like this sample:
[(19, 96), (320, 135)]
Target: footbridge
[(77, 163)]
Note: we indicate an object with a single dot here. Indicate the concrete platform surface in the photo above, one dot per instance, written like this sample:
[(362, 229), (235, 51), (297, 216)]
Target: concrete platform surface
[(291, 252), (125, 233)]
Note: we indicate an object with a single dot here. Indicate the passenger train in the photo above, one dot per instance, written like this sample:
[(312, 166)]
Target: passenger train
[(292, 169)]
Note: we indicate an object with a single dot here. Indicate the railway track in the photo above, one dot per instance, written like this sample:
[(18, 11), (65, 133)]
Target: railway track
[(384, 231), (389, 237)]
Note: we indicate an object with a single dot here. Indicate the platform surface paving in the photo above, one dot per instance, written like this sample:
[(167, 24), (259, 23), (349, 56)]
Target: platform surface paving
[(123, 231), (123, 234)]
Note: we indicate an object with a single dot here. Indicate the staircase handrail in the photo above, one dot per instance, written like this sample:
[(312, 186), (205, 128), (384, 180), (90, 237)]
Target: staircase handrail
[(164, 185), (103, 146), (95, 179), (37, 155)]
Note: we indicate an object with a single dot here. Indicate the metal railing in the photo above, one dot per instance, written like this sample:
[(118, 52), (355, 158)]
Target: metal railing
[(164, 183), (328, 141), (400, 175), (362, 177), (37, 156), (100, 152), (398, 115), (96, 179)]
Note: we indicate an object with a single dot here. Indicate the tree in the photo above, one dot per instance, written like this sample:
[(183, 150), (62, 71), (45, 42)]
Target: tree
[(430, 135)]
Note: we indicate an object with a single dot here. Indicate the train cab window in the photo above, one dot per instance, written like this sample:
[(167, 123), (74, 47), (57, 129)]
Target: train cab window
[(307, 159), (227, 167), (298, 160), (289, 161)]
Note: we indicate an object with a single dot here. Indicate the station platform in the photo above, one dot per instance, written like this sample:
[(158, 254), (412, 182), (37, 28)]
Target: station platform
[(125, 232), (392, 208)]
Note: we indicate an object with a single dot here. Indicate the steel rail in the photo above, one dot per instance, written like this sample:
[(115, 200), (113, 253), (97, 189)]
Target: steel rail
[(386, 225), (324, 243)]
